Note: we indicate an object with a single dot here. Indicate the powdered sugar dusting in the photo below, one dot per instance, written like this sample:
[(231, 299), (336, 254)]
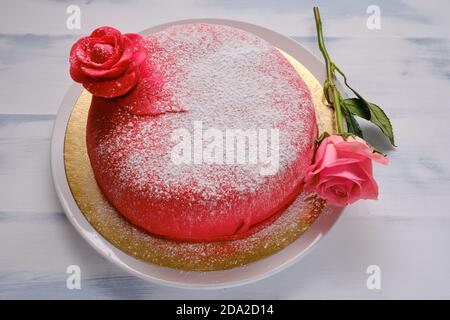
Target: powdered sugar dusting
[(225, 78)]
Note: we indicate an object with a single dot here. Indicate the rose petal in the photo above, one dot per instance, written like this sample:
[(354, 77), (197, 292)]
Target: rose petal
[(367, 186), (370, 190), (361, 147), (326, 153), (327, 193), (100, 52), (350, 172), (117, 43), (370, 187), (105, 74), (76, 73), (106, 31), (131, 55), (127, 54), (82, 51), (101, 35), (340, 191)]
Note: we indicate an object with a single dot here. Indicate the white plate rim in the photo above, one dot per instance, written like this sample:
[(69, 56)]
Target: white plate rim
[(190, 279)]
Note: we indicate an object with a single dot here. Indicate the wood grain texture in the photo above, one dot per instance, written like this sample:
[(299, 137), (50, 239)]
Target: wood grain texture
[(404, 67)]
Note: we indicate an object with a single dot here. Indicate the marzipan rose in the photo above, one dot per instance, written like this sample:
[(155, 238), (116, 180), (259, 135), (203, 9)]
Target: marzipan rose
[(107, 62)]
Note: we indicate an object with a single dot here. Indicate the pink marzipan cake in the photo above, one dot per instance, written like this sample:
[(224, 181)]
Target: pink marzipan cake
[(218, 77)]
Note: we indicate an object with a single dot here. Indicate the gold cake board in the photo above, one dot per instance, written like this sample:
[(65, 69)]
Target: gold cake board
[(212, 256)]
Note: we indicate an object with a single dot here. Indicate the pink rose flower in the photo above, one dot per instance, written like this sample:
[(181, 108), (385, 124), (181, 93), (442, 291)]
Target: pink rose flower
[(107, 62), (342, 171)]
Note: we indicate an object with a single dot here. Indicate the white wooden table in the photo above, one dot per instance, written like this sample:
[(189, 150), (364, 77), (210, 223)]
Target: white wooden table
[(404, 67)]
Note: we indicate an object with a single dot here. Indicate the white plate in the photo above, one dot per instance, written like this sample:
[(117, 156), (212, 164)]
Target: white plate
[(188, 279)]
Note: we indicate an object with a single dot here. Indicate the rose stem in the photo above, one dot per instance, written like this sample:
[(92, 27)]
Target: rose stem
[(329, 83)]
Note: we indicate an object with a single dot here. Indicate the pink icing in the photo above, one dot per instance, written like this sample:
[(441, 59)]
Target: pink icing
[(225, 78)]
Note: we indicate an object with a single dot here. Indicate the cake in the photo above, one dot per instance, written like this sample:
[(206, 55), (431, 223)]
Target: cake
[(200, 82)]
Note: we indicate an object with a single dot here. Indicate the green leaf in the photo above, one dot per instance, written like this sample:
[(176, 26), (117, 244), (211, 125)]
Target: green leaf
[(378, 117), (371, 112), (353, 125), (357, 107)]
